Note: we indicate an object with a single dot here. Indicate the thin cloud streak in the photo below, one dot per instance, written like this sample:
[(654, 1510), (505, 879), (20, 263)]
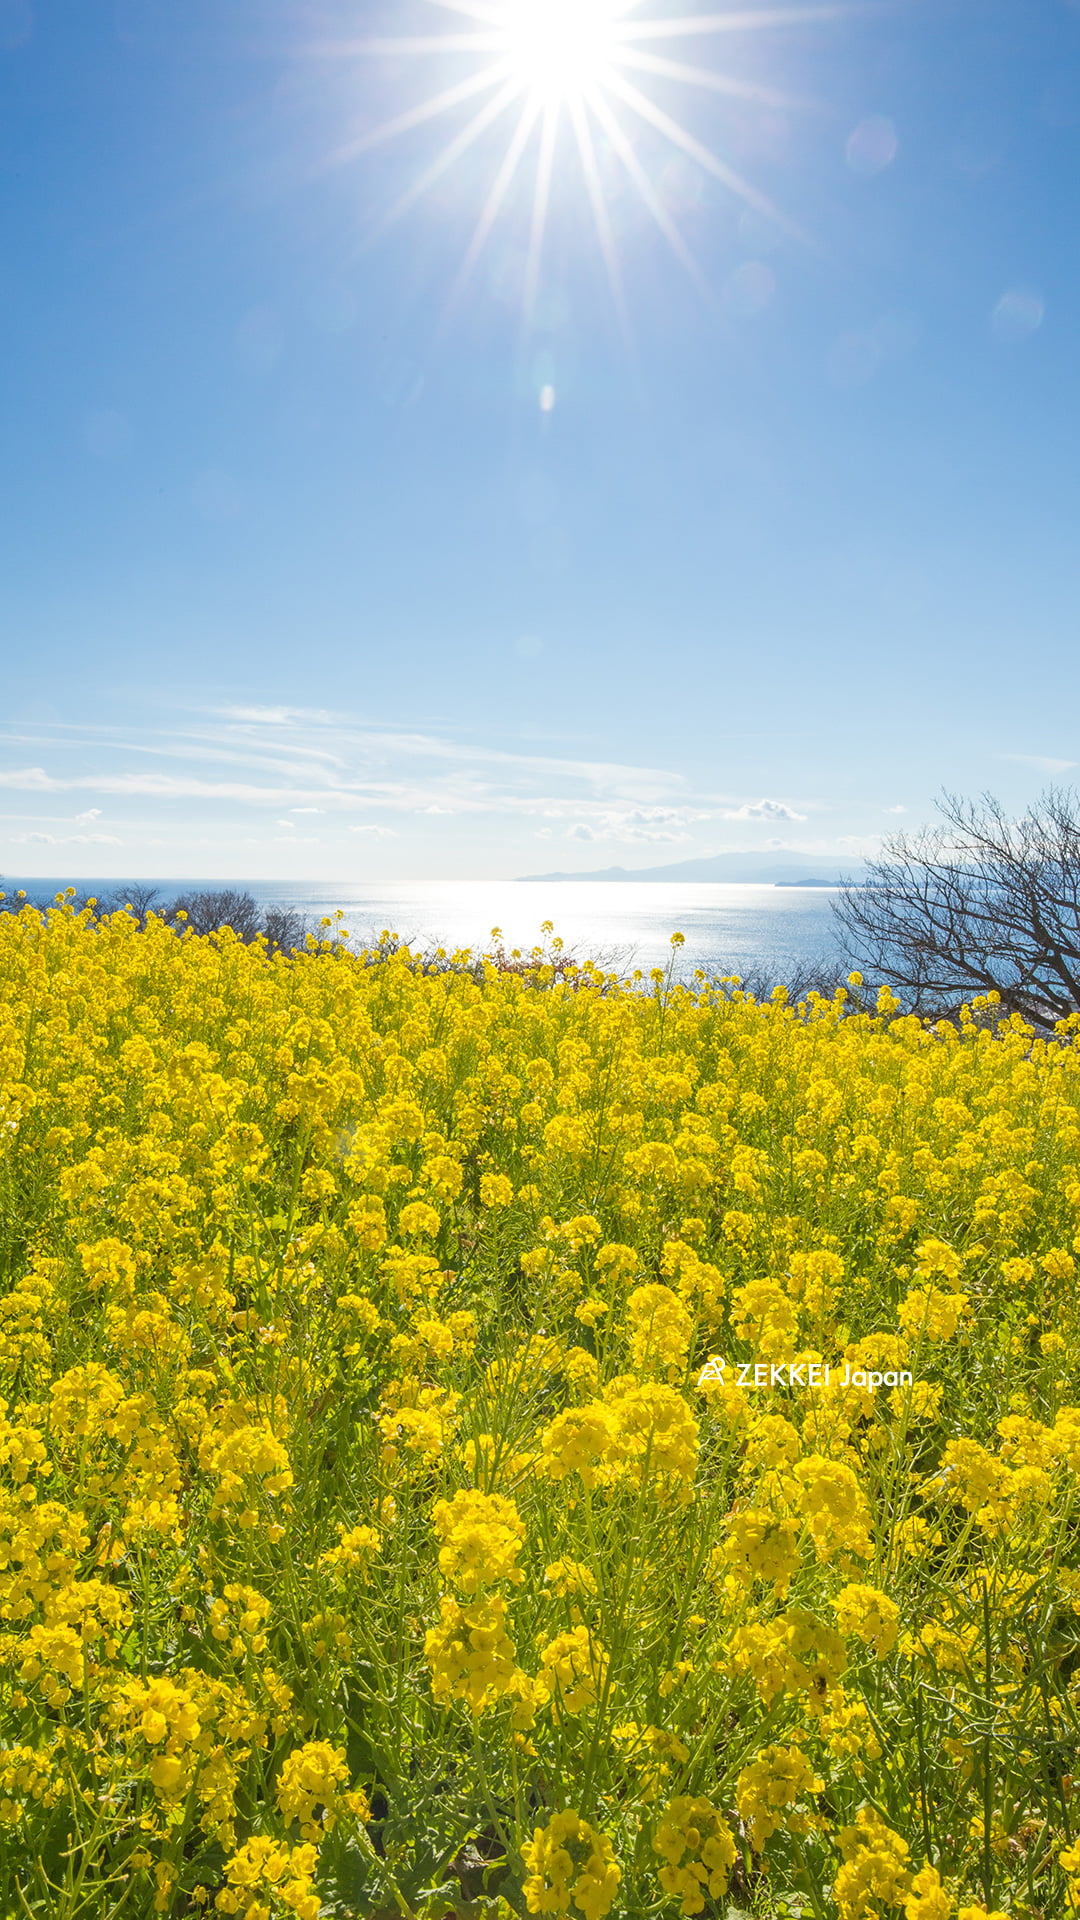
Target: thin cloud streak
[(376, 744), (332, 766), (1044, 763)]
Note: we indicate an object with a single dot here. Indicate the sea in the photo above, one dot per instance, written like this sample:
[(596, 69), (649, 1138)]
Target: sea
[(621, 925)]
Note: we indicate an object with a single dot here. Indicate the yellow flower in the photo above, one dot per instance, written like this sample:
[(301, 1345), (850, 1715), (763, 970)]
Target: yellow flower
[(932, 1314), (470, 1653), (311, 1778), (657, 1436), (481, 1535), (848, 1731), (266, 1870), (355, 1550), (875, 1868), (568, 1577), (442, 1173), (868, 1614), (770, 1787), (579, 1440), (834, 1506), (760, 1545), (766, 1318), (239, 1618), (571, 1868), (772, 1442), (652, 1751), (247, 1460), (969, 1472), (660, 1330), (418, 1221), (935, 1256), (927, 1899), (27, 1778), (699, 1850), (573, 1670)]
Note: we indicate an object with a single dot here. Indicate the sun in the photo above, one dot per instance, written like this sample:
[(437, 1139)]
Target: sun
[(573, 84), (561, 48)]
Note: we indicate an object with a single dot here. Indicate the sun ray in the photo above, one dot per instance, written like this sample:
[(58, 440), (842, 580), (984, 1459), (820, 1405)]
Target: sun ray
[(602, 219), (650, 198), (427, 110), (429, 43), (549, 133), (453, 150), (703, 77), (493, 205), (588, 63), (745, 22), (475, 9), (679, 137)]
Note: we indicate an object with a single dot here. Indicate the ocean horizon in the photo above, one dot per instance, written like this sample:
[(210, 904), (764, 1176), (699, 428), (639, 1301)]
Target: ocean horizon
[(729, 927)]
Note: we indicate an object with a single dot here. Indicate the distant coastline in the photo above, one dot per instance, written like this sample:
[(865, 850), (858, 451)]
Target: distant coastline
[(731, 869)]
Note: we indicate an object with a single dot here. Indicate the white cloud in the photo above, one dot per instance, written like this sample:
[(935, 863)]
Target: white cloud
[(28, 780), (656, 839), (65, 840), (627, 829), (763, 810), (895, 809), (664, 825), (276, 716), (222, 767)]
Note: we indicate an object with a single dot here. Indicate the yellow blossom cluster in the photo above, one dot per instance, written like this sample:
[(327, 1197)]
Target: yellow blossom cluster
[(479, 1435), (571, 1868), (699, 1851), (481, 1536)]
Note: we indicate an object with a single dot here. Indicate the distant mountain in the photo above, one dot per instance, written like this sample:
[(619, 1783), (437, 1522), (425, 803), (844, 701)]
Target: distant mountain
[(762, 869)]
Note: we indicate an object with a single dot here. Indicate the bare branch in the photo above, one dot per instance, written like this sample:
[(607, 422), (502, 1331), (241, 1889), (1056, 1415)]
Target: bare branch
[(980, 904)]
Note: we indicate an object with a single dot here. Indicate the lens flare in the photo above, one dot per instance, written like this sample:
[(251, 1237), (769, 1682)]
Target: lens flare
[(572, 80)]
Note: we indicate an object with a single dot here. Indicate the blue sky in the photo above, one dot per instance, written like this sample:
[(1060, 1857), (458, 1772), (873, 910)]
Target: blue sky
[(318, 564)]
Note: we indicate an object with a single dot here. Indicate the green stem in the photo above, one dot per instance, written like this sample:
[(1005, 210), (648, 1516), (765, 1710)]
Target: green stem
[(987, 1778)]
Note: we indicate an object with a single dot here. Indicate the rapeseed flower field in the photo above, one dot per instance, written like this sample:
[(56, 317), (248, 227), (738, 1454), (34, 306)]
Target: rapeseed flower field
[(493, 1439)]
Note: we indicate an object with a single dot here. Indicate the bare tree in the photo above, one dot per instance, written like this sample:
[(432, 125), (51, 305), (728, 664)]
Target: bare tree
[(283, 928), (983, 903), (206, 912), (286, 929), (139, 898)]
